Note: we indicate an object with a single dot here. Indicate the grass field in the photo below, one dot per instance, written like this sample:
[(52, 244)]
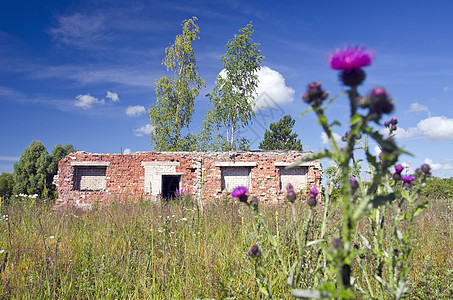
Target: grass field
[(178, 251)]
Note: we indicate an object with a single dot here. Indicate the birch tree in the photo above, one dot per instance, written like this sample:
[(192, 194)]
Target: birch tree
[(235, 90), (176, 96)]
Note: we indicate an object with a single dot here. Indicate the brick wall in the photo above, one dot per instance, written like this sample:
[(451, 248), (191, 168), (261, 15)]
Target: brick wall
[(84, 178)]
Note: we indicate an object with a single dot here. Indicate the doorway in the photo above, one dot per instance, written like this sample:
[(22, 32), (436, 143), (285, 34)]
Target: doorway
[(170, 183)]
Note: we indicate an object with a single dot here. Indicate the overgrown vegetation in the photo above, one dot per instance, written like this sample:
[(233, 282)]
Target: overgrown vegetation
[(150, 251)]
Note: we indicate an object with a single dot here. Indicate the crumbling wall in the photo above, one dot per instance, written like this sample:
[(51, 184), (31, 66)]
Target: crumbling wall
[(84, 178)]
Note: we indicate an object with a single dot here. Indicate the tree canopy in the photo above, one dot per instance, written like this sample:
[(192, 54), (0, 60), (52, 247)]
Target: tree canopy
[(281, 136), (235, 90), (175, 96), (33, 173)]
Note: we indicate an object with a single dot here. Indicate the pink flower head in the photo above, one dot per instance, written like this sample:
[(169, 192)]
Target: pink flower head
[(313, 192), (399, 169), (407, 178), (349, 59), (239, 191)]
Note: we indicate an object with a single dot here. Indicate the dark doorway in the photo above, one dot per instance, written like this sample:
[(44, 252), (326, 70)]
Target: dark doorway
[(170, 183)]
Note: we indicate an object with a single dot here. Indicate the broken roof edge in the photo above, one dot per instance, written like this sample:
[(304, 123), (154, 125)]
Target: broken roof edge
[(236, 152)]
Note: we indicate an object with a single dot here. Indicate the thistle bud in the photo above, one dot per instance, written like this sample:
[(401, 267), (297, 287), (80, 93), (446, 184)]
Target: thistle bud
[(290, 194), (394, 121), (254, 251)]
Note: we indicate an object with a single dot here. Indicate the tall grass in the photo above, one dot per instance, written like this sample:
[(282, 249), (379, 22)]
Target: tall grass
[(142, 250)]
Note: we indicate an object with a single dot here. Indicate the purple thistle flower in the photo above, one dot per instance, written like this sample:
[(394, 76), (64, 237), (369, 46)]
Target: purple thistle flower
[(290, 194), (407, 178), (313, 192), (394, 121), (255, 251), (354, 184), (240, 192), (350, 59), (399, 169)]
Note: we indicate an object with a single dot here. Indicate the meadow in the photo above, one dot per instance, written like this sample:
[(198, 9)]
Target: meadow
[(146, 250)]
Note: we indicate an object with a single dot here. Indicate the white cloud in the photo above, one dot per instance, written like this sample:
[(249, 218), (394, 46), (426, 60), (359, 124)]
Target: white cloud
[(438, 166), (127, 151), (144, 130), (436, 128), (432, 129), (447, 88), (403, 134), (272, 89), (135, 110), (325, 139), (87, 101), (415, 107), (377, 150), (79, 30), (112, 96)]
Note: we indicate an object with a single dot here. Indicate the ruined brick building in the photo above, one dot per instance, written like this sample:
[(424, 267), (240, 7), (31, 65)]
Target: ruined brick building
[(84, 178)]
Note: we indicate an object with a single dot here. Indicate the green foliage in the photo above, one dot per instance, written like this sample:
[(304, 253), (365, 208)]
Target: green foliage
[(175, 96), (6, 185), (438, 188), (281, 136), (33, 173), (235, 88)]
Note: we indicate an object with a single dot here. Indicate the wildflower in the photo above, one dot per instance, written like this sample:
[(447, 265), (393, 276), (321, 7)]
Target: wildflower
[(351, 61), (378, 101), (311, 201), (407, 181), (255, 251), (240, 192), (387, 124), (315, 94), (354, 184), (394, 121), (399, 168), (290, 194)]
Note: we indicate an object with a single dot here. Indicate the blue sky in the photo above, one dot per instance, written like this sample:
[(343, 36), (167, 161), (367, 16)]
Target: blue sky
[(83, 71)]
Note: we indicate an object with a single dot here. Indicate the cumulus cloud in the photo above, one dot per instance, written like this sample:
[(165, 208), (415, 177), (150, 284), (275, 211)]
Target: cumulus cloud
[(377, 150), (436, 128), (416, 107), (144, 130), (135, 110), (271, 90), (325, 139), (438, 166), (404, 134), (112, 96), (127, 151), (433, 129), (87, 101)]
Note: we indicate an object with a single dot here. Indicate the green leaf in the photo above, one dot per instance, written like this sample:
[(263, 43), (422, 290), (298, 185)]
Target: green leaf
[(311, 243), (402, 289), (365, 242), (264, 291)]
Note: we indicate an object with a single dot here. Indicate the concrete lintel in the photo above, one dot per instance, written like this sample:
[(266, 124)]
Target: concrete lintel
[(235, 164), (285, 164), (172, 173), (160, 163), (90, 163)]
